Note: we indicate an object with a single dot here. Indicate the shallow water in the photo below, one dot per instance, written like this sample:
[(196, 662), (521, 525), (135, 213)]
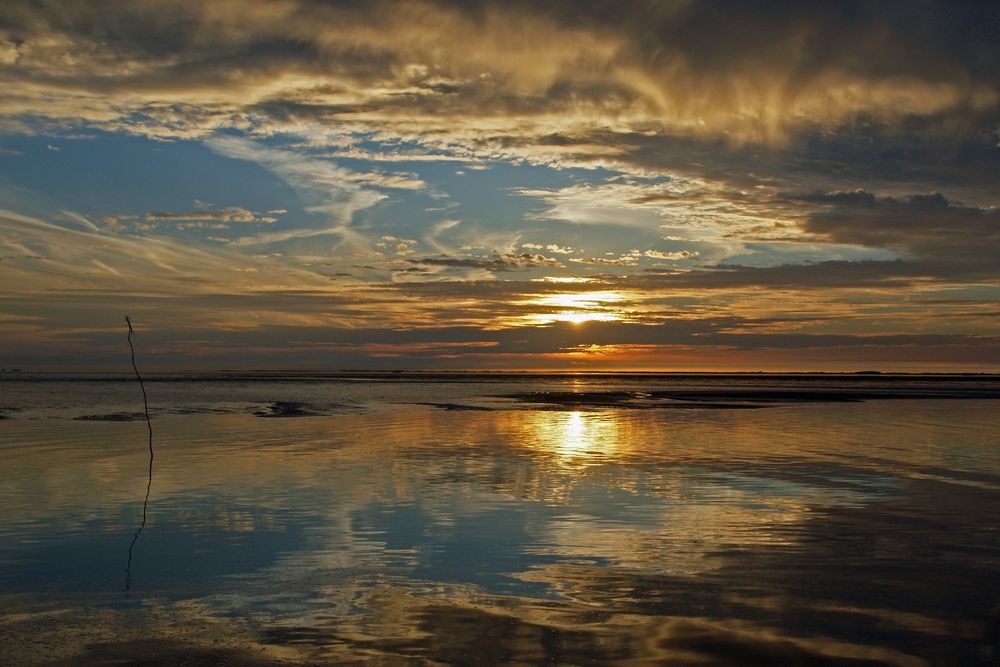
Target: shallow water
[(385, 520)]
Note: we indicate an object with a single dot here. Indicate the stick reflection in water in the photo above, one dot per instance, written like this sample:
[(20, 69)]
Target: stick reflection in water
[(149, 479)]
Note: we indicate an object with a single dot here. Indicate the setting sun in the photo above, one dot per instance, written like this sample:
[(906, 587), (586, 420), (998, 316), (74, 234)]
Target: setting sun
[(579, 307)]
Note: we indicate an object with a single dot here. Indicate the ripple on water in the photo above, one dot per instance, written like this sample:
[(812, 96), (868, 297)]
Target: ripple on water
[(814, 532)]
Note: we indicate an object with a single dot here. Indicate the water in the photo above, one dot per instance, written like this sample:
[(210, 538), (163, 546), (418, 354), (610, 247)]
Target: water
[(496, 519)]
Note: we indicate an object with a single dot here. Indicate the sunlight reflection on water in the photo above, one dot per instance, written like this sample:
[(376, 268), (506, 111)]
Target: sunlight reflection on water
[(574, 437), (809, 533)]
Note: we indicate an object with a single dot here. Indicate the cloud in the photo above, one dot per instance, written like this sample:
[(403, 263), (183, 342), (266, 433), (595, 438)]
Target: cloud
[(672, 256), (588, 204), (400, 247), (695, 208), (626, 260), (559, 250), (554, 248), (224, 215), (468, 161), (718, 130), (633, 257), (186, 69), (433, 236), (667, 90), (9, 52), (927, 227), (326, 187), (499, 262), (54, 259), (390, 181), (78, 219)]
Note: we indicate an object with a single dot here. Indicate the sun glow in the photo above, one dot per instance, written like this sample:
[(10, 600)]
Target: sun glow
[(578, 307)]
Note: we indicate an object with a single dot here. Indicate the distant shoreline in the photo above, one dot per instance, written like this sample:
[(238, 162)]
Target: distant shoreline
[(250, 375)]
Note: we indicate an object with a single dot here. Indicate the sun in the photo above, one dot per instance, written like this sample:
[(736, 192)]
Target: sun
[(578, 307)]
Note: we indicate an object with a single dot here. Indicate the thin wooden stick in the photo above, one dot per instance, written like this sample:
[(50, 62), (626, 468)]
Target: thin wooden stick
[(149, 482)]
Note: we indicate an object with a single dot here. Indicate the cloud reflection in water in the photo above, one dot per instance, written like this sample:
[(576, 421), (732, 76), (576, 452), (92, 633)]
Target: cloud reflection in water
[(532, 535)]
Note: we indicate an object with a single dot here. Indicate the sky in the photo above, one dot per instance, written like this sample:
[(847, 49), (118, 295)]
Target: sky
[(627, 185)]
